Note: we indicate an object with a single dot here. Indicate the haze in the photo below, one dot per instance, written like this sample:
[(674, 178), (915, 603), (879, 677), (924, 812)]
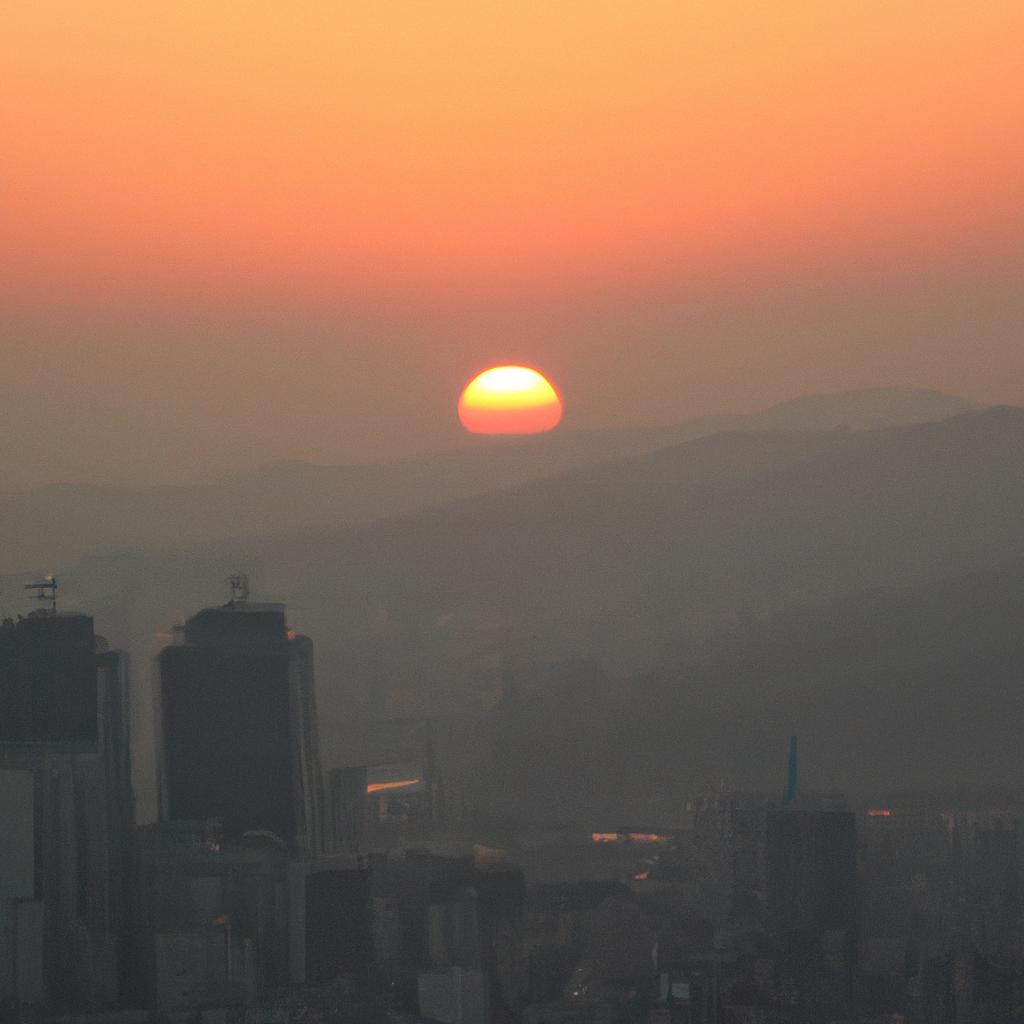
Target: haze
[(422, 724), (235, 233)]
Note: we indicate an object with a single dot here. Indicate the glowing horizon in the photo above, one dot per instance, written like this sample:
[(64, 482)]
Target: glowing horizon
[(234, 233)]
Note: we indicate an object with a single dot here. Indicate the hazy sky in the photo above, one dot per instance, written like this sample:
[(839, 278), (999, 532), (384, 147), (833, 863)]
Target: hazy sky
[(232, 232)]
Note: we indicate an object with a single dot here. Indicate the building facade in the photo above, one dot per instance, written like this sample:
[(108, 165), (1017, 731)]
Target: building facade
[(813, 912), (67, 864), (238, 735)]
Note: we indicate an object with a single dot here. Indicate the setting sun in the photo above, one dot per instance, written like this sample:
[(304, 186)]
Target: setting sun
[(509, 400)]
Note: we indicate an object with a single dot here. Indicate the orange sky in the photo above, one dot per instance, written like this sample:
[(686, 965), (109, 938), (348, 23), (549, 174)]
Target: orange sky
[(344, 178)]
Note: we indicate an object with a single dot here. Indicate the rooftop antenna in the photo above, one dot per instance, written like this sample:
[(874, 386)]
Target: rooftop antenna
[(239, 584), (46, 591), (791, 787)]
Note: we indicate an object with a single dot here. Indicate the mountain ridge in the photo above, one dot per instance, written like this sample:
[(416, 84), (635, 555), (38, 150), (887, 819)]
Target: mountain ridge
[(634, 564), (58, 523)]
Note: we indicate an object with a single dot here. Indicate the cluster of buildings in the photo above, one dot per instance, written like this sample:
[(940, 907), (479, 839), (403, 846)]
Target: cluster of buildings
[(811, 911), (258, 876), (266, 881)]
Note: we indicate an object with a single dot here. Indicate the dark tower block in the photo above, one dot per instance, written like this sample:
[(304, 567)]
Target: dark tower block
[(48, 688), (238, 715), (67, 816), (812, 897), (812, 871)]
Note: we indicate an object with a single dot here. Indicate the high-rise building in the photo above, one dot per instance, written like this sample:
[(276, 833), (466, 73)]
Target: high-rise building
[(66, 816), (812, 895), (48, 680), (812, 870), (238, 731)]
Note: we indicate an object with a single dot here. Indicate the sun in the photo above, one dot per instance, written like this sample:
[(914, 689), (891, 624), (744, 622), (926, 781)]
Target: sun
[(509, 400)]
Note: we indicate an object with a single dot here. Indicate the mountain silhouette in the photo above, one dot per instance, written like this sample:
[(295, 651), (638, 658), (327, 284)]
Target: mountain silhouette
[(56, 524), (638, 565)]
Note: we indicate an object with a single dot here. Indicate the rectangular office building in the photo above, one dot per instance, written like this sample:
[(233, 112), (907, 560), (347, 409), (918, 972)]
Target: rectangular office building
[(239, 745)]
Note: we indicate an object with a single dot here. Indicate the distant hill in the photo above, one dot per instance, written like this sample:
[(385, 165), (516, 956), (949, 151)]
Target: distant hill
[(57, 524), (632, 564), (920, 689), (729, 525), (888, 691)]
